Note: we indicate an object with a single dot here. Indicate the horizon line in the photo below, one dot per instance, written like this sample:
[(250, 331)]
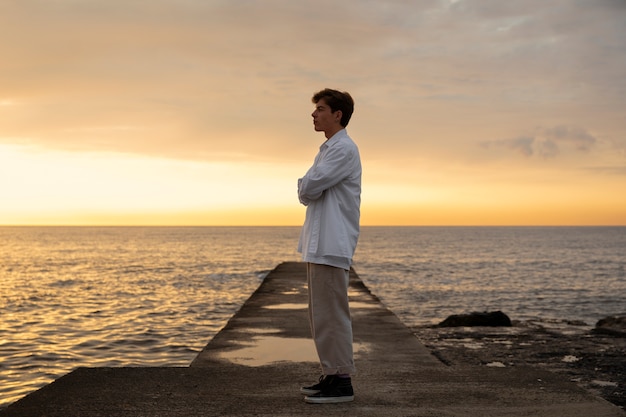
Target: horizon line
[(299, 225)]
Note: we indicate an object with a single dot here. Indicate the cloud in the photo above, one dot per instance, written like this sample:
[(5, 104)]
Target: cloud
[(202, 78), (548, 142), (579, 137), (609, 170), (523, 144)]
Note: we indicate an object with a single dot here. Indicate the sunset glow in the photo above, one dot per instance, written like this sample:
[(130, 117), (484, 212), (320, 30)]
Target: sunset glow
[(198, 113)]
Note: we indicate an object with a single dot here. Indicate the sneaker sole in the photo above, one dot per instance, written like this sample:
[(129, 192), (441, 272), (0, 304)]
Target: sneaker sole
[(329, 400)]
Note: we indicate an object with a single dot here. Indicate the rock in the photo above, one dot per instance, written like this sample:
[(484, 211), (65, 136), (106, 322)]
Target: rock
[(612, 325), (490, 319)]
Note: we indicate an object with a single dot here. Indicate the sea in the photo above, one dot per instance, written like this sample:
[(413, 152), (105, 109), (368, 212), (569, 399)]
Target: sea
[(155, 296)]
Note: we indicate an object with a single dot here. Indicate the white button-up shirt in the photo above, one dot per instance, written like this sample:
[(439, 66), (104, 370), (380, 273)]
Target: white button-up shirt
[(331, 190)]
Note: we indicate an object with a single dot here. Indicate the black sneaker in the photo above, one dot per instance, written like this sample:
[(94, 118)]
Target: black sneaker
[(335, 390), (314, 389)]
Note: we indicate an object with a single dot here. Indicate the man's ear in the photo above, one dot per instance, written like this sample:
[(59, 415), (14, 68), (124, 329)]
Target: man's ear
[(338, 116)]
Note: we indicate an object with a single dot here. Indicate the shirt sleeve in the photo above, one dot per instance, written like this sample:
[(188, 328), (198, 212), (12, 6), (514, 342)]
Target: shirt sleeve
[(304, 201), (333, 167)]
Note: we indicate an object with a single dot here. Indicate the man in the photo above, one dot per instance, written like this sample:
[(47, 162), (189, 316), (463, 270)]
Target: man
[(331, 190)]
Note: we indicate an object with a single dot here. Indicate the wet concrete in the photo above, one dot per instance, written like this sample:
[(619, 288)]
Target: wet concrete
[(256, 364)]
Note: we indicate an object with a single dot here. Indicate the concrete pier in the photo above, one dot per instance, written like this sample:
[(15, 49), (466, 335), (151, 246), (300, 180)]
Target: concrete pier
[(256, 364)]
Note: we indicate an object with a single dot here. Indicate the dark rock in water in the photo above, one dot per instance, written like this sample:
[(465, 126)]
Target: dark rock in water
[(612, 325), (490, 319)]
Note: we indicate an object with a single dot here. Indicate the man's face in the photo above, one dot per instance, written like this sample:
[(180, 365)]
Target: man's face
[(324, 120)]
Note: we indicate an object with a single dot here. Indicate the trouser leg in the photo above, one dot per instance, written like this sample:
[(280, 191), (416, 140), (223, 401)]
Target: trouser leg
[(329, 317)]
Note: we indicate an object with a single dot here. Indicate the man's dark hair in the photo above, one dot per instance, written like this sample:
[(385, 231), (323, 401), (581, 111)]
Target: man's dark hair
[(337, 100)]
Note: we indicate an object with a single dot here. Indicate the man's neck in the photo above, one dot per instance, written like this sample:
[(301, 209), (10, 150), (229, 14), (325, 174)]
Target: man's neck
[(330, 133)]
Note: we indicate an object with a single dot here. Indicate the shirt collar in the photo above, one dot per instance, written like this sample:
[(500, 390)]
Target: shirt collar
[(333, 139)]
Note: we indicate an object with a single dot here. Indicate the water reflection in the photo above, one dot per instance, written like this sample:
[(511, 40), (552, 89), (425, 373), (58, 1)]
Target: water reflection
[(95, 297), (302, 306), (263, 348)]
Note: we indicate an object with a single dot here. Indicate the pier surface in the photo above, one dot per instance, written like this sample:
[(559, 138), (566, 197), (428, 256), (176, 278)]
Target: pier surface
[(255, 365)]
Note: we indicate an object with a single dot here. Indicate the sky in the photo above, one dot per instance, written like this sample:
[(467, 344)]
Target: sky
[(198, 112)]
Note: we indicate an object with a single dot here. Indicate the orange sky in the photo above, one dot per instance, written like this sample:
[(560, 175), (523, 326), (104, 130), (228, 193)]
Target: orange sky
[(198, 112)]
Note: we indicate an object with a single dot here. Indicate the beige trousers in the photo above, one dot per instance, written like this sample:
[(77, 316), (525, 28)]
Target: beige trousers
[(329, 317)]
